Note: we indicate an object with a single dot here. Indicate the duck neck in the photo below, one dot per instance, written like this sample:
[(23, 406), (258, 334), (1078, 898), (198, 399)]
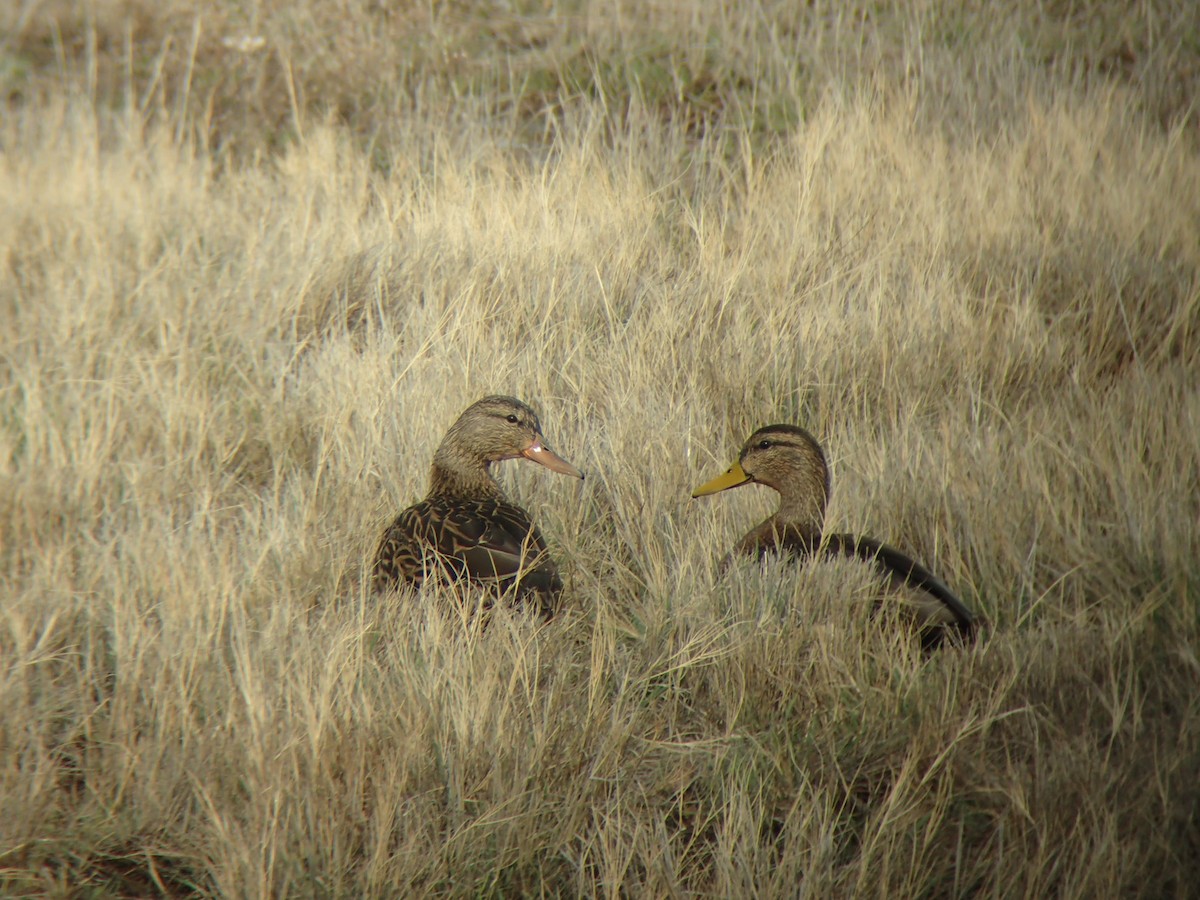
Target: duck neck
[(456, 474), (802, 511)]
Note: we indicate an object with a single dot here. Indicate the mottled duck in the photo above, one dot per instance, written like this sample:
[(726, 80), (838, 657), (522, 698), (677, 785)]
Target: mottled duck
[(789, 459), (465, 530)]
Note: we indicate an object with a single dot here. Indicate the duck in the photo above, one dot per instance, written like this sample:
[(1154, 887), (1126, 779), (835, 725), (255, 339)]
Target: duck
[(790, 460), (465, 530)]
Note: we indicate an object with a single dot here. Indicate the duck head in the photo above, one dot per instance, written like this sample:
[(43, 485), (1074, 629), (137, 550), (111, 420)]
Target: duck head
[(494, 429), (786, 458)]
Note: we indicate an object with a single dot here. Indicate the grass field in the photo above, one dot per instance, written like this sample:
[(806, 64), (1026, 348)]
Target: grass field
[(254, 263)]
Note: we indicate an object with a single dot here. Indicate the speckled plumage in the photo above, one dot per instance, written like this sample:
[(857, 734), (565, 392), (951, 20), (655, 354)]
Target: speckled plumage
[(790, 460), (465, 530)]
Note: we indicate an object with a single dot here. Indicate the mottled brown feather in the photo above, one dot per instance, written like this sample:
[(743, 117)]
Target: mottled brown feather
[(486, 541)]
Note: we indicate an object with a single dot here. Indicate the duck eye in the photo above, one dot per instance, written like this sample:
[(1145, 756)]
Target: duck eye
[(764, 445), (511, 418)]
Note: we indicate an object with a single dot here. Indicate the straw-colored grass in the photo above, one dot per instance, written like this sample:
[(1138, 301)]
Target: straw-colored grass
[(956, 246)]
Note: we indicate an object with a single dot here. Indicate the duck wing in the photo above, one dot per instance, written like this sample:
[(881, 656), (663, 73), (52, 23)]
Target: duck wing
[(487, 540), (943, 608), (497, 540)]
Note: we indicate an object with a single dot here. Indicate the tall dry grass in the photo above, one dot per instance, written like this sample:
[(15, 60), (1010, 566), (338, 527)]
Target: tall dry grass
[(223, 373)]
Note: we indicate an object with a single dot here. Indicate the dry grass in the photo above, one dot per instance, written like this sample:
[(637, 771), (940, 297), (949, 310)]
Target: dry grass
[(961, 247)]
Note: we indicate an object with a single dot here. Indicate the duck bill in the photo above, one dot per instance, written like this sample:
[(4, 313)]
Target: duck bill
[(539, 453), (734, 477)]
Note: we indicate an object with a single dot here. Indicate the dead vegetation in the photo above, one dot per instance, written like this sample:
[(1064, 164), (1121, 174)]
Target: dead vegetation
[(246, 287)]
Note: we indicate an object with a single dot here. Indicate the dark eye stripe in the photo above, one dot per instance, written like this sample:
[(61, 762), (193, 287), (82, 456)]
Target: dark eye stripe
[(780, 440)]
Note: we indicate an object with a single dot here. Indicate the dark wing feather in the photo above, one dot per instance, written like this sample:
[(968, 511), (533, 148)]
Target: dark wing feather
[(903, 570), (486, 541), (499, 542)]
